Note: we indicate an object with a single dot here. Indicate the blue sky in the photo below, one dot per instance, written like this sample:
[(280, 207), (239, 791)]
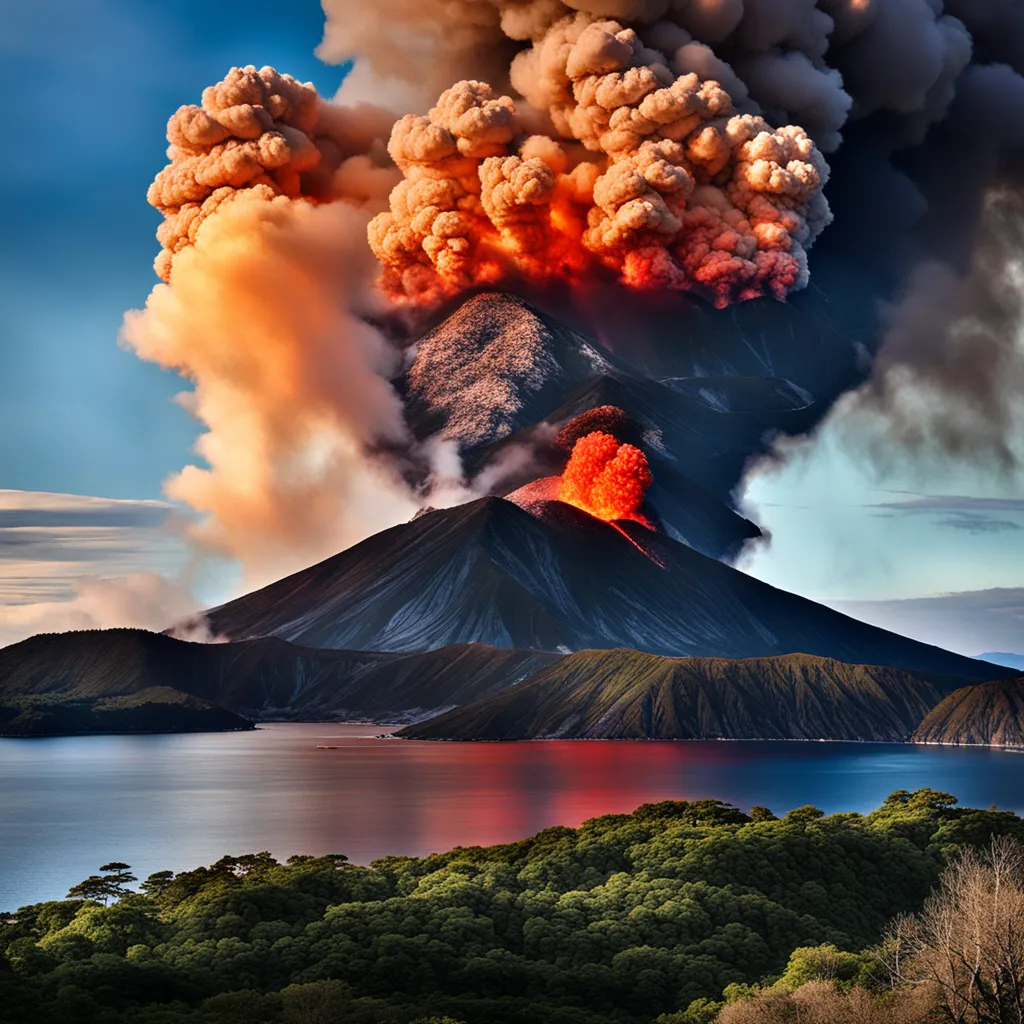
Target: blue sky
[(90, 85)]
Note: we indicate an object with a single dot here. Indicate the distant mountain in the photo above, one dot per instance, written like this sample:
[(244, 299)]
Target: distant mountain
[(990, 714), (622, 694), (266, 679), (558, 580), (1003, 658)]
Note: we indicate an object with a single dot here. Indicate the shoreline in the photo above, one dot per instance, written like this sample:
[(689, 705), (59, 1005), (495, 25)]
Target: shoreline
[(256, 725)]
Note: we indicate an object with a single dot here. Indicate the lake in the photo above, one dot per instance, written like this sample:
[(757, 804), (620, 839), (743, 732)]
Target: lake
[(68, 805)]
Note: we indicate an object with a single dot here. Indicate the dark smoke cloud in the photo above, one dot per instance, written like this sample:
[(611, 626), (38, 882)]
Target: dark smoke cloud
[(950, 373)]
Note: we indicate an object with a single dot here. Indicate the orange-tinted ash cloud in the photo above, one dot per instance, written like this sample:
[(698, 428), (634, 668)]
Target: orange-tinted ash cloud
[(651, 174)]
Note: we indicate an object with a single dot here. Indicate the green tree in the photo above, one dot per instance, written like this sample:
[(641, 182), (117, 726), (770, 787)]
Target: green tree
[(157, 883), (820, 963), (806, 813), (113, 884)]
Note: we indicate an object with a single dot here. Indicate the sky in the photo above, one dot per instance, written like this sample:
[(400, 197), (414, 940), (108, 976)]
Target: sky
[(95, 81)]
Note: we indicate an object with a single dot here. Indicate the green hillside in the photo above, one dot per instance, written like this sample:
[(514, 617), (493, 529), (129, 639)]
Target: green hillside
[(620, 921), (989, 714), (622, 694), (65, 682), (151, 709)]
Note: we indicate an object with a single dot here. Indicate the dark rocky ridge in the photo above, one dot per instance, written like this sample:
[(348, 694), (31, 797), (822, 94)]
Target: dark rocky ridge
[(267, 679), (620, 694), (988, 714)]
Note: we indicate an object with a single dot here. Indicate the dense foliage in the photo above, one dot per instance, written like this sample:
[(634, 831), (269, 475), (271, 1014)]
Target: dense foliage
[(626, 918)]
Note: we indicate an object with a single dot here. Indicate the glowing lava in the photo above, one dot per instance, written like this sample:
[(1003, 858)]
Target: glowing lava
[(606, 478)]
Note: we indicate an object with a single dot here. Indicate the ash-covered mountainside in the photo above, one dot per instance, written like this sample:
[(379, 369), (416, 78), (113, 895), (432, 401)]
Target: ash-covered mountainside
[(988, 714), (623, 694), (264, 679), (501, 378), (557, 579), (495, 366)]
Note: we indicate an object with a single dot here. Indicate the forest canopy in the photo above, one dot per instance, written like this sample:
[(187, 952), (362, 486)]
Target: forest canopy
[(662, 913)]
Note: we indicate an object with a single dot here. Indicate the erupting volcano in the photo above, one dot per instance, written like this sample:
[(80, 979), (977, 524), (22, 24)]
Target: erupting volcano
[(606, 478), (453, 302)]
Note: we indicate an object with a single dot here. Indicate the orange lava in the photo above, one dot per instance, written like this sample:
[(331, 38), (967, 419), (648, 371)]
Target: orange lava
[(606, 478)]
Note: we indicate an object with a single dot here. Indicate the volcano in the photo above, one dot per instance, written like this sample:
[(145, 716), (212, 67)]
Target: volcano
[(536, 574), (555, 579)]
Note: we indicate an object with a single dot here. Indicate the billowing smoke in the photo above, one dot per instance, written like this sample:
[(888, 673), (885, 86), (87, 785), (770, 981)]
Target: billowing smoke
[(605, 477), (811, 62), (663, 181), (585, 167), (266, 202), (261, 135), (949, 375)]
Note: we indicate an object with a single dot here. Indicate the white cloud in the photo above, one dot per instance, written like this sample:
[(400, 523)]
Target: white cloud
[(78, 562), (143, 600)]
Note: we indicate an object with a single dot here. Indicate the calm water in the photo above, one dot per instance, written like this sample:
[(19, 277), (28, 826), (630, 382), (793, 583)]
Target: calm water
[(69, 805)]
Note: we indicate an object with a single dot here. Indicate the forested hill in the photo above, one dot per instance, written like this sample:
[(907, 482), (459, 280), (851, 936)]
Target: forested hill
[(626, 918), (622, 694), (990, 714)]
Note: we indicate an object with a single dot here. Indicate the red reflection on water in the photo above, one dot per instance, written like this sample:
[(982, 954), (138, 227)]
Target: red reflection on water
[(483, 793)]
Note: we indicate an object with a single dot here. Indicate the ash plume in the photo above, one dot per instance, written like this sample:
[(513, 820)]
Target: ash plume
[(949, 376), (674, 145), (915, 102), (683, 192), (267, 310), (259, 134)]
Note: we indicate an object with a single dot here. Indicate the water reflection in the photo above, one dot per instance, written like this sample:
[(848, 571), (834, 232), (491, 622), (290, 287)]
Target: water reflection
[(68, 805)]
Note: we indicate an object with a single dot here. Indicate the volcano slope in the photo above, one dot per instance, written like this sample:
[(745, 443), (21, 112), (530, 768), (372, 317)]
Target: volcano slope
[(555, 580), (65, 674), (623, 694)]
